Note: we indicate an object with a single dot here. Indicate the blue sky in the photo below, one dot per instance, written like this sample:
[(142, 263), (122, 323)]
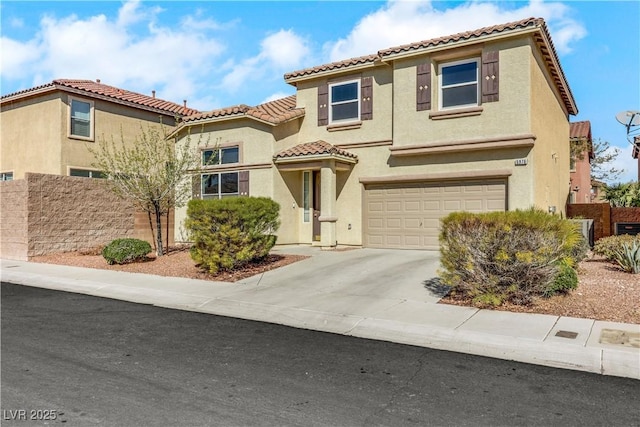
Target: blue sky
[(221, 53)]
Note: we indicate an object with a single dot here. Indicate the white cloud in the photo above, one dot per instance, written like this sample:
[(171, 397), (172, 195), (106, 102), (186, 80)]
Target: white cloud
[(274, 96), (131, 51), (16, 23), (399, 22), (626, 162)]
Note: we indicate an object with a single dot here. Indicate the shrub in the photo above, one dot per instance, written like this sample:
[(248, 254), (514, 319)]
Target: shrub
[(628, 257), (231, 232), (509, 256), (608, 246), (121, 251)]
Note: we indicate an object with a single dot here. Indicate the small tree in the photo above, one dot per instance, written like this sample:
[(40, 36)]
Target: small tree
[(604, 154), (623, 195), (150, 170)]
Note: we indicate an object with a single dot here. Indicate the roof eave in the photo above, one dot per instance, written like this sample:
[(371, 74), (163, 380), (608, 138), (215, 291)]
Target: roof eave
[(314, 157), (319, 74)]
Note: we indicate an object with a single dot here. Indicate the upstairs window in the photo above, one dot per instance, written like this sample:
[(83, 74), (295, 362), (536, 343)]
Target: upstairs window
[(81, 114), (86, 173), (220, 156), (344, 101), (6, 176), (459, 84)]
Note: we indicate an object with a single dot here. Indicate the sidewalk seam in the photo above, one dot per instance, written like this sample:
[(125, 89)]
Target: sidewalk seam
[(552, 326)]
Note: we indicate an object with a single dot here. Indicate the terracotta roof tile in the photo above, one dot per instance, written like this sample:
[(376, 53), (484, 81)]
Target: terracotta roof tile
[(579, 130), (542, 38), (274, 112), (92, 88), (313, 148)]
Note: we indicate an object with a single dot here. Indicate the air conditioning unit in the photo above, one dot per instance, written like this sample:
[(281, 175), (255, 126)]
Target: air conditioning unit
[(632, 228)]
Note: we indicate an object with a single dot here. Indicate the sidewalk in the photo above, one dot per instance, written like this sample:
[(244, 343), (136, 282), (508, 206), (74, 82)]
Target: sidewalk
[(397, 313)]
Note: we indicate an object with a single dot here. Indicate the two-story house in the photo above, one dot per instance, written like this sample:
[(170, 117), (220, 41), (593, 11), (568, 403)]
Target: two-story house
[(581, 190), (46, 129), (374, 150)]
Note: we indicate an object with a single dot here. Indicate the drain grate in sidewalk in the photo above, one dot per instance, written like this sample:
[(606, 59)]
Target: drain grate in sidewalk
[(615, 336), (567, 334)]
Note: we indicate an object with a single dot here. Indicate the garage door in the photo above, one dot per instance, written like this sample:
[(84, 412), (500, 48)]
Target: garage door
[(407, 215)]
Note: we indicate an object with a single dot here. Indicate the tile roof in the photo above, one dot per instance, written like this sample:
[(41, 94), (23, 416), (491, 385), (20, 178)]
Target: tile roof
[(95, 89), (316, 148), (542, 38), (273, 112), (578, 130)]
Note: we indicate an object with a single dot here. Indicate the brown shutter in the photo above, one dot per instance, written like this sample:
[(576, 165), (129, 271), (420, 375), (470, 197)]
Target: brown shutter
[(196, 186), (323, 101), (366, 103), (490, 76), (243, 183), (423, 87)]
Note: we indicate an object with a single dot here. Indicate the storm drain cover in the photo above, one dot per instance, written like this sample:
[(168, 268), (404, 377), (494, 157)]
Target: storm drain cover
[(567, 334), (615, 336)]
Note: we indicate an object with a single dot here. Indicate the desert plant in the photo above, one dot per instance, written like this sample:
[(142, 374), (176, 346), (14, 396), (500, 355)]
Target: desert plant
[(511, 256), (229, 233), (121, 251), (628, 257), (607, 247)]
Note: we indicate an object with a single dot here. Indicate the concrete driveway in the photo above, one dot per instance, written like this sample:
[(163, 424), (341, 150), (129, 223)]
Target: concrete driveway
[(361, 282)]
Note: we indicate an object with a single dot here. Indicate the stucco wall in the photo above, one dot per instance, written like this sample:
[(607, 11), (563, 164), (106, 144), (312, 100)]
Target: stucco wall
[(30, 135), (550, 124)]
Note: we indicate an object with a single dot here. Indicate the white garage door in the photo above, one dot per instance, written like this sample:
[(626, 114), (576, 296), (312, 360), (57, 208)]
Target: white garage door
[(407, 215)]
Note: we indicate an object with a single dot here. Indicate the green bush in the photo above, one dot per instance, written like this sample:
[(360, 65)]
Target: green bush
[(121, 251), (512, 256), (231, 232), (628, 257), (608, 246)]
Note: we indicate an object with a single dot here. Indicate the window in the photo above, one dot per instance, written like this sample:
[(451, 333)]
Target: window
[(87, 173), (220, 156), (6, 176), (219, 185), (459, 84), (81, 113), (572, 163), (306, 194), (344, 101)]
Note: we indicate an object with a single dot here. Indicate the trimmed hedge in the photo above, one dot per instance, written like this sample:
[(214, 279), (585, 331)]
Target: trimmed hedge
[(228, 233), (122, 251), (512, 256)]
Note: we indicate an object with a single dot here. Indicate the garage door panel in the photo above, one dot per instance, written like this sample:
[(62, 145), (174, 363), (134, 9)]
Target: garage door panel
[(408, 215)]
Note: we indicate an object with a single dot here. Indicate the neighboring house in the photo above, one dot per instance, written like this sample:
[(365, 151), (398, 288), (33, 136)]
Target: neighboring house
[(46, 129), (580, 163), (374, 150)]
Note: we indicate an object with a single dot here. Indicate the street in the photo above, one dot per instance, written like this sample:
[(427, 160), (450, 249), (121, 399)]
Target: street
[(70, 359)]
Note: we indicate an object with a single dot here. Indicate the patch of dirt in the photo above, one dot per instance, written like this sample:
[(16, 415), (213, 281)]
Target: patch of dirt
[(604, 292), (177, 263)]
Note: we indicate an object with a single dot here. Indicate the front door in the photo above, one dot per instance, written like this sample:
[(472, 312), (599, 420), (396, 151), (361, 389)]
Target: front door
[(316, 206)]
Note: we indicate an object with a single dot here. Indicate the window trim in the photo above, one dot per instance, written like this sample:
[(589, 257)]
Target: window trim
[(478, 83), (358, 82), (220, 148), (91, 103), (220, 194), (91, 171)]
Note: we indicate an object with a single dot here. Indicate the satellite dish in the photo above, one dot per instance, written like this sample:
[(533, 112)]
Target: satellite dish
[(631, 120)]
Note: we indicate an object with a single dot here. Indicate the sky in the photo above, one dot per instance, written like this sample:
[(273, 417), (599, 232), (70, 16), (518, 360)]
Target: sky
[(217, 54)]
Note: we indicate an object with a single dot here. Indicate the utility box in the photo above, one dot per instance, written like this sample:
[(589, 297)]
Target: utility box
[(632, 228), (586, 227)]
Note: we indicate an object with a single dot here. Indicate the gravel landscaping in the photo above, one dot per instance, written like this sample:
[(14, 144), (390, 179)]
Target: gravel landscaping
[(604, 291)]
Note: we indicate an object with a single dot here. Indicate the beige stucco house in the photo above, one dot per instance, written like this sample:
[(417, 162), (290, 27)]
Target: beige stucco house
[(373, 151), (46, 129)]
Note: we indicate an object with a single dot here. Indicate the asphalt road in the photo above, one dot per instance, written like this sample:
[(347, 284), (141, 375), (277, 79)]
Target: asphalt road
[(92, 361)]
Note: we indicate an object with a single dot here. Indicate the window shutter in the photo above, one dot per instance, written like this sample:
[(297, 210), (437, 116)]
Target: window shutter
[(196, 186), (423, 87), (366, 103), (323, 101), (490, 76), (243, 183)]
